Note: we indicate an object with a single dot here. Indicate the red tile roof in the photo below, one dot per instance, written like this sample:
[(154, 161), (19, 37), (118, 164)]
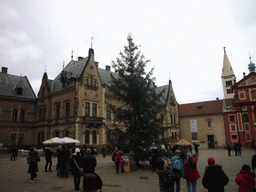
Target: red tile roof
[(203, 108)]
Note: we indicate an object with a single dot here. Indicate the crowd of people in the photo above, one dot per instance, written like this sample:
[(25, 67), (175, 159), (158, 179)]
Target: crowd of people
[(79, 163), (183, 164), (214, 178)]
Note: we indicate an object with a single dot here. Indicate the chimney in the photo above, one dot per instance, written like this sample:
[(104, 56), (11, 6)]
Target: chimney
[(4, 69), (79, 58), (107, 68), (217, 98), (97, 64)]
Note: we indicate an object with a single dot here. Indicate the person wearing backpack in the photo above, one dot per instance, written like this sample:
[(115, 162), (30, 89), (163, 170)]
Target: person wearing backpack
[(177, 170), (191, 172), (116, 157)]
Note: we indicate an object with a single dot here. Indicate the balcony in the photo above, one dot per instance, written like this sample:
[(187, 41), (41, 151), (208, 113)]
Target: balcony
[(91, 87), (93, 121)]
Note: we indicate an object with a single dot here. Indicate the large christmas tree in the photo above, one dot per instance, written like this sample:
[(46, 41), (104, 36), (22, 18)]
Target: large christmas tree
[(141, 106)]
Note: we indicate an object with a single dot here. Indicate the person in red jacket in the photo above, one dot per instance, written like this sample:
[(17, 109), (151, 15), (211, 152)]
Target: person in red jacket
[(245, 179), (118, 160), (191, 172)]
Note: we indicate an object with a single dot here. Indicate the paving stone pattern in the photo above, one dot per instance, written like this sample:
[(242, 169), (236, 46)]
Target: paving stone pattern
[(14, 176)]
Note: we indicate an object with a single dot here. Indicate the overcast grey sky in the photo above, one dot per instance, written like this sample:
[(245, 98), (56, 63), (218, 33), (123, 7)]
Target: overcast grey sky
[(183, 39)]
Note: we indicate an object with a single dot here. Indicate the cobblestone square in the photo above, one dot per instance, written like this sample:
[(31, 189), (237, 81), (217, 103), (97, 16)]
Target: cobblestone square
[(14, 176)]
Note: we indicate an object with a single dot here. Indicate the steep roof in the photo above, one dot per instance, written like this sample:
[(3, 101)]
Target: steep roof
[(8, 84), (73, 69), (105, 76), (227, 69), (203, 108), (165, 93)]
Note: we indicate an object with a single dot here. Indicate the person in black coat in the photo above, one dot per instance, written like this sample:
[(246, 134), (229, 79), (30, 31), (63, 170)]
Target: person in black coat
[(92, 183), (76, 164), (214, 178), (48, 157), (58, 151), (196, 149), (239, 148), (229, 149), (33, 167), (153, 156), (64, 157), (89, 162)]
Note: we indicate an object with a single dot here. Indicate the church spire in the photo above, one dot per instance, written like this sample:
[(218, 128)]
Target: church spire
[(251, 65), (228, 77)]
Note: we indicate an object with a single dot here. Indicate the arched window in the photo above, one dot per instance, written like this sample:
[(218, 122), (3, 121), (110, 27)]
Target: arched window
[(56, 133), (94, 137), (87, 137), (66, 133)]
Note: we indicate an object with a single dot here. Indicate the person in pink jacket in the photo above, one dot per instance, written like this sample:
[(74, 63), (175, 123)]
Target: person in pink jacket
[(192, 174), (245, 179)]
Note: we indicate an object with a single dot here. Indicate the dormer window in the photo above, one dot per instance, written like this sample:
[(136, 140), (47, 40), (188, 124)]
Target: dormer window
[(18, 90)]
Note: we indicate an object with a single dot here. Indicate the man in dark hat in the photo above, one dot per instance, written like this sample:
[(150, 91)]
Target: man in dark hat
[(92, 183)]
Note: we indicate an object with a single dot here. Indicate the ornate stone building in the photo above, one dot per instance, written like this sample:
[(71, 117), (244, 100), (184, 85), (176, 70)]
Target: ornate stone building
[(76, 104), (240, 117), (17, 110)]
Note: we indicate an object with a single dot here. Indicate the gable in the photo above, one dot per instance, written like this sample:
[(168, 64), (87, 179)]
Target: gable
[(10, 83), (249, 80)]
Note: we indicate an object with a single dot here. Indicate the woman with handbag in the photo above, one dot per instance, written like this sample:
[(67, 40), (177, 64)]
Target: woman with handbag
[(76, 168), (33, 167)]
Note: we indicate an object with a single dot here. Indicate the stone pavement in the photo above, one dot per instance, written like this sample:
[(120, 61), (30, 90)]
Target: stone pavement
[(14, 176)]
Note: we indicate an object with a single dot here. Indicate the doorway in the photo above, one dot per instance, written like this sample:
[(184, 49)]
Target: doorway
[(210, 141)]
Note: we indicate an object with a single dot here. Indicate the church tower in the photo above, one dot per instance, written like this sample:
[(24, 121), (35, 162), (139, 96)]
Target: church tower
[(228, 77)]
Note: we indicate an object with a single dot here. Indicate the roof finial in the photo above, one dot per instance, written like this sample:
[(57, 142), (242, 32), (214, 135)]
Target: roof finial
[(224, 49), (63, 64), (45, 68), (91, 41), (250, 57), (72, 55)]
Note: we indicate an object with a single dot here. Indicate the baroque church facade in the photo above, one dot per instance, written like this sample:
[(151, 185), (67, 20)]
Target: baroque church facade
[(223, 121), (76, 104)]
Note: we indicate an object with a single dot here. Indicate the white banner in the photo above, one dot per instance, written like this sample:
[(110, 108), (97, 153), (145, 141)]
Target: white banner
[(193, 127)]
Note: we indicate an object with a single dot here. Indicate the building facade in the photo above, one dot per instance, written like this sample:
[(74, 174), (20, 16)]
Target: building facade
[(17, 111), (203, 123), (75, 104), (240, 117)]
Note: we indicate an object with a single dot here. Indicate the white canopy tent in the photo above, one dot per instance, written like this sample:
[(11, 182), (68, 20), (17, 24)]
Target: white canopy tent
[(51, 141), (66, 140)]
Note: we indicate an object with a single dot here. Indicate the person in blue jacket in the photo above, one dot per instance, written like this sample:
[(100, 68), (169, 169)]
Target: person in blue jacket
[(176, 174)]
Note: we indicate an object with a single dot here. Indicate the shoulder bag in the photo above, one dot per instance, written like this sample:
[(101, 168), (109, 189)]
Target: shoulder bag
[(79, 168)]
